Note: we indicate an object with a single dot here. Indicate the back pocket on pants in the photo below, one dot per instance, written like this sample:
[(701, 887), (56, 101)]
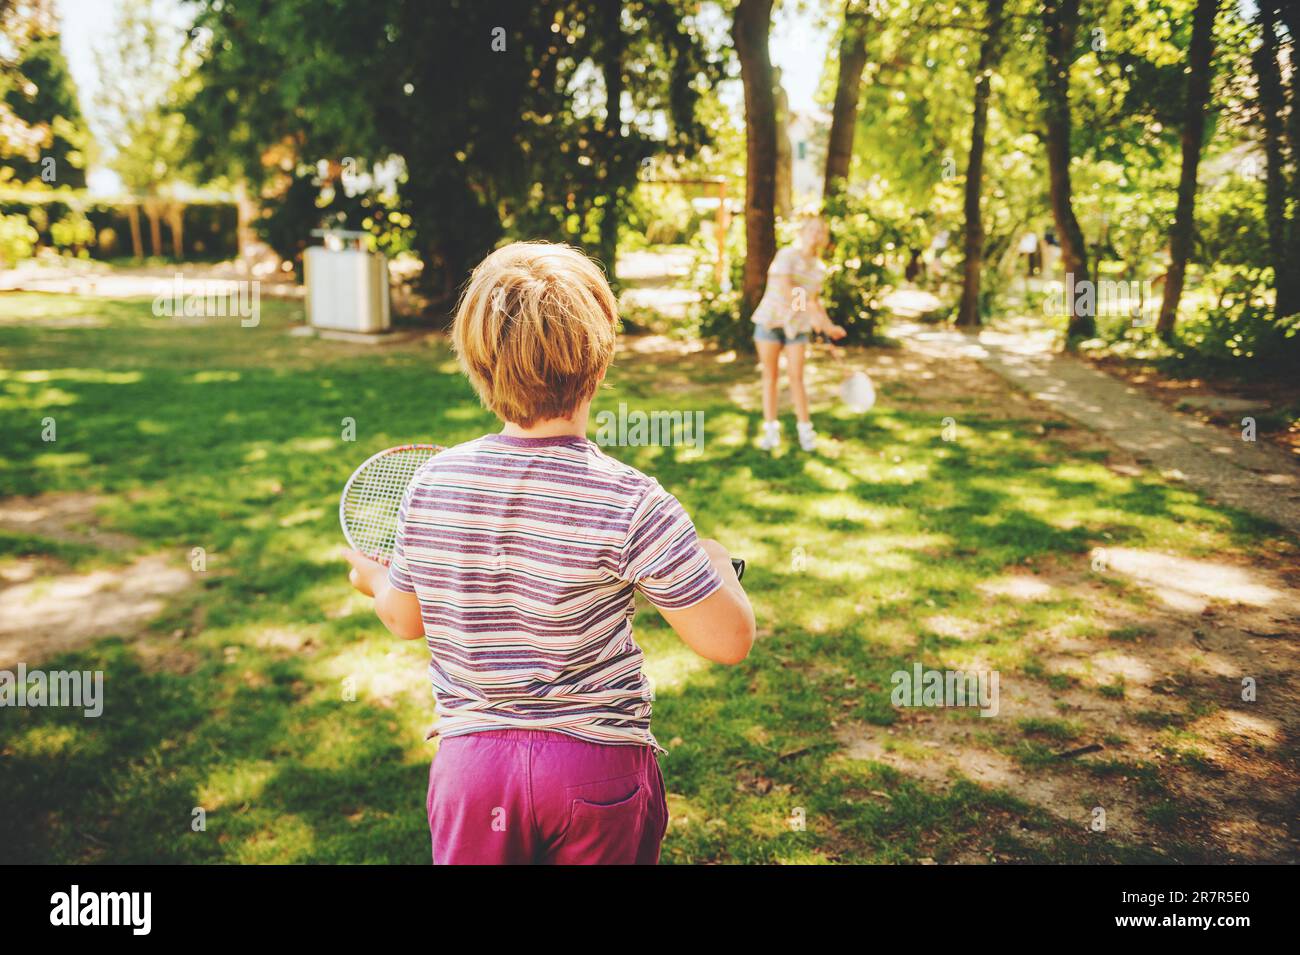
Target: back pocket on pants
[(604, 833)]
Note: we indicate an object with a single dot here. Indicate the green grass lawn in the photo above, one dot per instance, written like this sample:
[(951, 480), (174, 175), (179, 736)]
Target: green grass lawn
[(229, 439)]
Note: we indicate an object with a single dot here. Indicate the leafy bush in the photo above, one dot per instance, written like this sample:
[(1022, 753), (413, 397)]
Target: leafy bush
[(68, 220), (309, 203), (862, 242), (1239, 329), (17, 239), (72, 234), (658, 215), (717, 316)]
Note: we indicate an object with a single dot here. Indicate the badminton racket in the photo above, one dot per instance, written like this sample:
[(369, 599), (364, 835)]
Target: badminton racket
[(370, 501)]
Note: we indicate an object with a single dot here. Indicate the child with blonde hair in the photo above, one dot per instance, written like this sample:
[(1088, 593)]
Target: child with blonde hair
[(517, 560), (790, 310)]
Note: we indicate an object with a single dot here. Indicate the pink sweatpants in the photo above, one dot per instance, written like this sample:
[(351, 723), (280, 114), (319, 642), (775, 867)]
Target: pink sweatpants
[(533, 796)]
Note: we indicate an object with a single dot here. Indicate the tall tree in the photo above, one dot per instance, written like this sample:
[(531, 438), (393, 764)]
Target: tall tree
[(20, 25), (139, 68), (1289, 303), (1272, 103), (1060, 24), (494, 106), (750, 28), (43, 136), (1198, 95), (47, 101), (612, 67), (968, 311), (784, 148), (848, 88)]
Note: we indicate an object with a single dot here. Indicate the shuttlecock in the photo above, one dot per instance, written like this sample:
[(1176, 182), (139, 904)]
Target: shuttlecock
[(858, 393)]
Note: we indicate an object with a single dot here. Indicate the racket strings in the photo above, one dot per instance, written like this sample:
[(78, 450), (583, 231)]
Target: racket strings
[(374, 498)]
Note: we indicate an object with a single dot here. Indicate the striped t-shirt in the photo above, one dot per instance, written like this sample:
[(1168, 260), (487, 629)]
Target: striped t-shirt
[(525, 554)]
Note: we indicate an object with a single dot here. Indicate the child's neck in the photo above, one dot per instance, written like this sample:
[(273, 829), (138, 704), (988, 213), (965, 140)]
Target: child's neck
[(552, 427)]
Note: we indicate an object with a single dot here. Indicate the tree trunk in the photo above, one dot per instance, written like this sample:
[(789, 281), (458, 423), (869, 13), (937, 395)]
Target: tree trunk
[(612, 66), (153, 214), (1060, 21), (245, 234), (749, 33), (176, 222), (1291, 246), (137, 240), (848, 87), (1198, 94), (968, 312), (784, 150), (1272, 103)]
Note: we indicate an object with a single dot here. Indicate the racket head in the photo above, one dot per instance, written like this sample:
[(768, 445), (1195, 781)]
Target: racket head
[(372, 497)]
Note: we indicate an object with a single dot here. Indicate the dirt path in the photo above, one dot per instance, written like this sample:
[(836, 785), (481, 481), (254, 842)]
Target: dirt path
[(47, 609), (1252, 476), (653, 280)]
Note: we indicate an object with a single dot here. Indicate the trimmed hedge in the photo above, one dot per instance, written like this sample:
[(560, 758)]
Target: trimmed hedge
[(209, 229)]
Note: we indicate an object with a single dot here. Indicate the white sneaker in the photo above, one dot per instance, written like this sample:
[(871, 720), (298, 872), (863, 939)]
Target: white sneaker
[(771, 439), (807, 436)]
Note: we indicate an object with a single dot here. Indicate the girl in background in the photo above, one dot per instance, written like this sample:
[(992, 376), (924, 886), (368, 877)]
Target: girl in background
[(789, 311)]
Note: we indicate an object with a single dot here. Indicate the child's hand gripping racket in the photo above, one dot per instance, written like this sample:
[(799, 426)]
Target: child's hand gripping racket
[(370, 501)]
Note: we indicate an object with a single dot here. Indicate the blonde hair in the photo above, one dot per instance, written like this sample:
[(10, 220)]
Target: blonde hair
[(534, 331), (811, 220)]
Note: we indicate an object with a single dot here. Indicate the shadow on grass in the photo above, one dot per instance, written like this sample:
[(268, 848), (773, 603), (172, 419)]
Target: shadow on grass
[(125, 787)]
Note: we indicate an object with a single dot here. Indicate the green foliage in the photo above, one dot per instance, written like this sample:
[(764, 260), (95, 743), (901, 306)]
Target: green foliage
[(1237, 321), (73, 233), (659, 215), (17, 239), (142, 78), (1239, 328), (46, 100), (718, 316), (60, 220), (313, 201), (1231, 227), (497, 107), (862, 243)]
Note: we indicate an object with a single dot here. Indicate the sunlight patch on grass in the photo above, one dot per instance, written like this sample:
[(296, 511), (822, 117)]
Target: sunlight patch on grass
[(46, 741), (302, 516), (286, 839), (21, 398), (59, 461), (312, 445), (369, 672), (79, 375), (670, 664), (233, 784), (210, 377)]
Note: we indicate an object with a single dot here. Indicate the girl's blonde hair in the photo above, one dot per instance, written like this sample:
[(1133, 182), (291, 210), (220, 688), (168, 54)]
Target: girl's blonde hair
[(534, 331), (809, 220)]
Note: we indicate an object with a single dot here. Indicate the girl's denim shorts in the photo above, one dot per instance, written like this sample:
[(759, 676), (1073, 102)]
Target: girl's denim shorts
[(767, 333)]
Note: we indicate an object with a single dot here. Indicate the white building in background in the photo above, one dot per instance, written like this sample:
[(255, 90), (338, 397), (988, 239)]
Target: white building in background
[(808, 131)]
